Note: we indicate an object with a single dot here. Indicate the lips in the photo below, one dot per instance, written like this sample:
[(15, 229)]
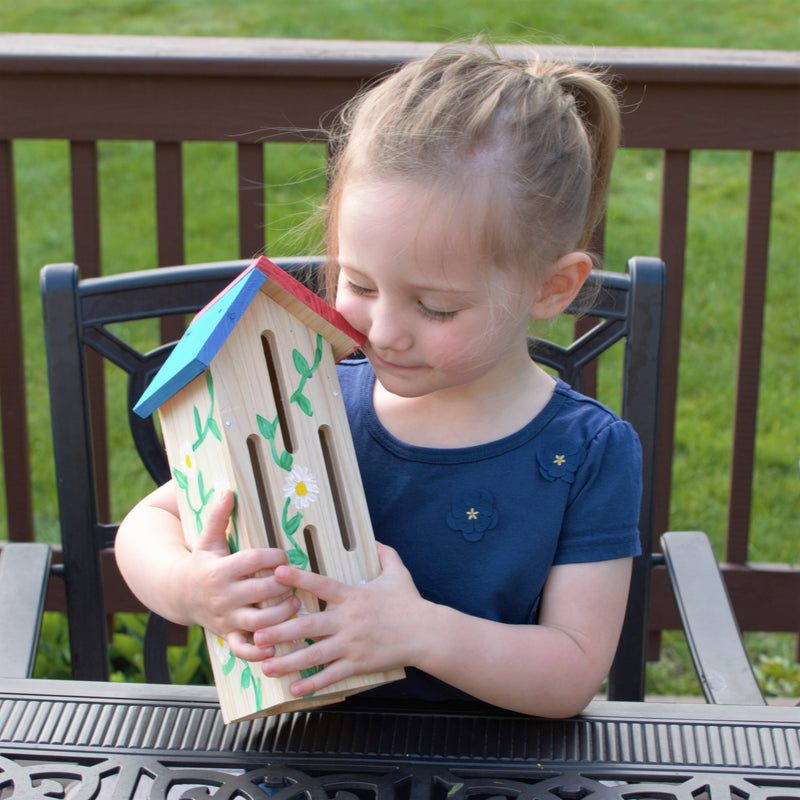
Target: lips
[(376, 358)]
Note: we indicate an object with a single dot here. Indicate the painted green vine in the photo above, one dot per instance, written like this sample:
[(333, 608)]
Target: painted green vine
[(204, 428), (298, 557), (268, 429), (210, 425), (306, 372), (204, 494), (290, 524)]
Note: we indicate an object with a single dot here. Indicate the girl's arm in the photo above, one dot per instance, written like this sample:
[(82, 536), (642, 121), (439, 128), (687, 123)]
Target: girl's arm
[(550, 669), (208, 585)]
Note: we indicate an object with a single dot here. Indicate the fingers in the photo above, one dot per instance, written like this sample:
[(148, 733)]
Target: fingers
[(256, 619), (242, 647), (318, 662), (297, 628), (247, 620), (388, 556), (213, 537), (327, 589)]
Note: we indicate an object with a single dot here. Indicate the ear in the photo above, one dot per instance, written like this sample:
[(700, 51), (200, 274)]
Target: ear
[(562, 283)]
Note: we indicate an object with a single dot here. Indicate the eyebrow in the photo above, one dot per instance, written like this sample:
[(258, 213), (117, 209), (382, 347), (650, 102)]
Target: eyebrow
[(452, 291)]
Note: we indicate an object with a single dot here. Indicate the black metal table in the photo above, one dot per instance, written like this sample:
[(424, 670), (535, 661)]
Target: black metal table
[(63, 739)]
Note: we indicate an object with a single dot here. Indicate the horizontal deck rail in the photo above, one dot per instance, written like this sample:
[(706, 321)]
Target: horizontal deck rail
[(168, 91)]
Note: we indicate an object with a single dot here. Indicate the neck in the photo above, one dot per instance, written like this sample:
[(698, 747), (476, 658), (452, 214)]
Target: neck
[(463, 416)]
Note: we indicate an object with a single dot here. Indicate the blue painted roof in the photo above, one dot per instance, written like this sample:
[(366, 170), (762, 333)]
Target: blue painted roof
[(202, 341)]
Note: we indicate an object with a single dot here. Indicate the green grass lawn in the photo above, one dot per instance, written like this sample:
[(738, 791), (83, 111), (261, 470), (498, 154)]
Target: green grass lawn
[(295, 177)]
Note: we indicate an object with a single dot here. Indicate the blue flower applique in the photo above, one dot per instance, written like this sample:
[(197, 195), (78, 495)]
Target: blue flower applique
[(472, 513), (559, 458)]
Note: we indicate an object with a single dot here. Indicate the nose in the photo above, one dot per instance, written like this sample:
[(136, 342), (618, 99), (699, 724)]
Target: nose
[(389, 328)]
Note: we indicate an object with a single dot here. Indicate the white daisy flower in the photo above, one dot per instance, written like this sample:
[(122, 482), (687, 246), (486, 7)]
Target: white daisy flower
[(301, 487), (223, 652), (221, 649)]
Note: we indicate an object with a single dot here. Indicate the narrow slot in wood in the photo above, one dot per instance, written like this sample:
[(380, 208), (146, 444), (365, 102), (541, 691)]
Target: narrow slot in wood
[(327, 443), (267, 517), (271, 358), (314, 564)]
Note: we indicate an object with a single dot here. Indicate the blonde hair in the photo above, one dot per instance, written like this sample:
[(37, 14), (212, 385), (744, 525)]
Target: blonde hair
[(532, 143)]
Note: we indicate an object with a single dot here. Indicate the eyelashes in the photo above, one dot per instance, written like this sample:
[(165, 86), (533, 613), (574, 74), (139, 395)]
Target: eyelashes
[(435, 314), (356, 289)]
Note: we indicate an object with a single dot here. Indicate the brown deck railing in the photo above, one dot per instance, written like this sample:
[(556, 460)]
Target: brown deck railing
[(168, 91)]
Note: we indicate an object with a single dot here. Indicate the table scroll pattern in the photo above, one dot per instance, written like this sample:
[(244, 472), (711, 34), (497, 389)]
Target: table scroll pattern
[(140, 747), (128, 777)]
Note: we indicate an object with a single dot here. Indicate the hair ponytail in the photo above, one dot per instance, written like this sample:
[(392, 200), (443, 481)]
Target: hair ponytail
[(525, 149), (597, 106)]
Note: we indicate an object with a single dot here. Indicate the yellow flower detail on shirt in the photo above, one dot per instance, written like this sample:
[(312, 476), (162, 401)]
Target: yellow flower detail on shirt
[(559, 458), (472, 513)]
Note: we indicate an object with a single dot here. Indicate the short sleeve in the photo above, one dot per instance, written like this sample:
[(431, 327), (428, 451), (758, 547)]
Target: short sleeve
[(601, 521)]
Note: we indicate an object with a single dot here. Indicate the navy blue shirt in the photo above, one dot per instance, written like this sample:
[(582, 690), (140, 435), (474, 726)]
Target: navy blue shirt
[(479, 527)]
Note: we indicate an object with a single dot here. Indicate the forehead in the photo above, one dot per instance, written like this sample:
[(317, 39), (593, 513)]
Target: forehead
[(410, 234), (415, 218)]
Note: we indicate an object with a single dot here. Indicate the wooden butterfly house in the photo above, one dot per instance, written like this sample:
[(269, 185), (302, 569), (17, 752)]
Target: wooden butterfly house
[(249, 400)]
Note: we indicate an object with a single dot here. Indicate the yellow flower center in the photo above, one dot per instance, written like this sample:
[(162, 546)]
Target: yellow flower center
[(300, 489), (188, 461), (560, 460), (220, 641)]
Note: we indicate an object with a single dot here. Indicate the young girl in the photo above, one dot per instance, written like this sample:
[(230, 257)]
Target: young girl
[(506, 504)]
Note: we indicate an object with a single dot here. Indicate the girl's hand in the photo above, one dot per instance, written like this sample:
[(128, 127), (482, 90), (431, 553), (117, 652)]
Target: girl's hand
[(223, 591), (363, 629)]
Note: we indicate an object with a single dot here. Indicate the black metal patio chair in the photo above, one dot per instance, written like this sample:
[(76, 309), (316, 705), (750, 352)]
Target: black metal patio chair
[(625, 309)]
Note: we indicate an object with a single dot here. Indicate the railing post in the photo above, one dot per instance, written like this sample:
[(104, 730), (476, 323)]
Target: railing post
[(16, 459), (751, 333)]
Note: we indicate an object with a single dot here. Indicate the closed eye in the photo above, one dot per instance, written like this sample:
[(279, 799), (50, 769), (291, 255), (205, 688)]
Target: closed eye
[(439, 315), (357, 289)]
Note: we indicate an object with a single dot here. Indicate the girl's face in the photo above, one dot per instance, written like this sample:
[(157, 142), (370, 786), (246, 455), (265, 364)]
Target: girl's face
[(437, 317)]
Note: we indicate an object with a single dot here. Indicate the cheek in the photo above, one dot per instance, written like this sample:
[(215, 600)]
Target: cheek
[(473, 346), (351, 309), (453, 349)]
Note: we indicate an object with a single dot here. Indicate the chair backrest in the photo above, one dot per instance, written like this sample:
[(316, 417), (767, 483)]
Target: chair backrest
[(84, 316)]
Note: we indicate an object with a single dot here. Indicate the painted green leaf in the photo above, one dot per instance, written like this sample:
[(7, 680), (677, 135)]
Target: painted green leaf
[(198, 425), (181, 479), (301, 365), (265, 427), (297, 558), (205, 495), (285, 461), (214, 428), (291, 525), (246, 679), (228, 666), (304, 403), (317, 352)]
